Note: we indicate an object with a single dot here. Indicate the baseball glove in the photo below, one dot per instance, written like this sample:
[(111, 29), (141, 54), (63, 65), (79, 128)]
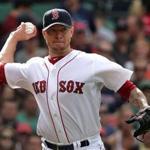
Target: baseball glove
[(143, 119)]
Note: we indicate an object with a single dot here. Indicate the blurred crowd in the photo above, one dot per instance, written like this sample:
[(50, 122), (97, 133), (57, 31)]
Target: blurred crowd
[(118, 30)]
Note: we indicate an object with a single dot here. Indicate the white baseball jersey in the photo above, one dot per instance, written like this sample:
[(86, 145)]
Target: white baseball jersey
[(67, 92)]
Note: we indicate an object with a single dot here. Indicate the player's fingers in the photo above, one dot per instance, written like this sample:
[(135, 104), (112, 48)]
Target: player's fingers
[(21, 25), (138, 132), (131, 120), (35, 32)]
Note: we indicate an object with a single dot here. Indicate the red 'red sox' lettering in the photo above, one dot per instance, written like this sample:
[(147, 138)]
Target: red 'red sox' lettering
[(39, 86), (71, 86)]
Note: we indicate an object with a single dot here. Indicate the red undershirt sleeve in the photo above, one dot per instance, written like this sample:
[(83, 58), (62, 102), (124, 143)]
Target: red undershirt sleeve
[(2, 74), (126, 89)]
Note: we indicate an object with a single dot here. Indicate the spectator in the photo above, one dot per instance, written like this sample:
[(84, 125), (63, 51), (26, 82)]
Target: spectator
[(136, 8), (146, 144), (104, 48), (120, 50), (140, 54), (104, 31), (125, 139), (31, 48), (8, 113), (29, 114), (140, 68), (135, 28), (20, 7), (146, 17), (145, 87), (34, 143), (80, 13), (140, 50), (147, 74), (21, 12), (23, 133), (108, 130), (7, 93), (7, 139), (80, 38)]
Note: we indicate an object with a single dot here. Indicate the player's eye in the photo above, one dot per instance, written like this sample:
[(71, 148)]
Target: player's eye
[(50, 31), (54, 30)]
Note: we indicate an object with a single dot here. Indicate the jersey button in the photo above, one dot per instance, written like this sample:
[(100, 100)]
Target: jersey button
[(53, 98), (59, 131), (55, 115)]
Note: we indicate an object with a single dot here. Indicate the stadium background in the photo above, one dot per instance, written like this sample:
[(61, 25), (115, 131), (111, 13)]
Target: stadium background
[(119, 30)]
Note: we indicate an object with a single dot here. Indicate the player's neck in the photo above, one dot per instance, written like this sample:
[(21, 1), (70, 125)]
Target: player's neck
[(53, 58), (53, 53)]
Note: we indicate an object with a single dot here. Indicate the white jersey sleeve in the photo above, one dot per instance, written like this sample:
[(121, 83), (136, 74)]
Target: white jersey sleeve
[(111, 74), (17, 75), (22, 75)]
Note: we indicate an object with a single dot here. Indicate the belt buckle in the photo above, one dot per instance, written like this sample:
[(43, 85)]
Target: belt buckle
[(65, 147), (84, 143)]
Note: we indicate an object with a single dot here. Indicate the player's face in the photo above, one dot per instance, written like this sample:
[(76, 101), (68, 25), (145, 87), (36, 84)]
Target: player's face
[(58, 39)]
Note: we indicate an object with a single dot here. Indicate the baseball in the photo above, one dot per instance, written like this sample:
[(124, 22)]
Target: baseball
[(29, 28)]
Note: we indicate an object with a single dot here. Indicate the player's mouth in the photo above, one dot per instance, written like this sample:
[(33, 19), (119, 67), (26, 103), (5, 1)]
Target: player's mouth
[(58, 43)]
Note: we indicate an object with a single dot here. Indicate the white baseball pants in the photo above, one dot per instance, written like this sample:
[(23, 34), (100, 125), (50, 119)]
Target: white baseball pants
[(95, 144)]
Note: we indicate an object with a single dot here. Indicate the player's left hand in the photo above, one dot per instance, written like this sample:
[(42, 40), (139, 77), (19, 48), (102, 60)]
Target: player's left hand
[(143, 119)]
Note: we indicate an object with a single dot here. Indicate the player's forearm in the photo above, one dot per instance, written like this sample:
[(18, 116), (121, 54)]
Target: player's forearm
[(8, 50), (138, 99)]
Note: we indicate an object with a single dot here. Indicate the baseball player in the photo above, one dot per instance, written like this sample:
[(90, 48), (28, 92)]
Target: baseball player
[(66, 85)]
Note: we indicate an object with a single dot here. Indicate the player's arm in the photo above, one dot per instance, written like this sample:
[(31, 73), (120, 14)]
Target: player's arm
[(138, 99), (142, 117), (9, 48), (134, 95)]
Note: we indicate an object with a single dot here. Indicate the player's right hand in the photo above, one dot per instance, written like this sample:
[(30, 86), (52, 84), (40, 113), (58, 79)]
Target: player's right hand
[(20, 33)]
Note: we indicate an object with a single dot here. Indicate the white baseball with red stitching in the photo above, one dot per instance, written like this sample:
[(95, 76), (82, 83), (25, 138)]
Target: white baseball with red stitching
[(29, 28)]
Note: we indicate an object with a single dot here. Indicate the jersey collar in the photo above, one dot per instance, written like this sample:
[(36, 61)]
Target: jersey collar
[(53, 60)]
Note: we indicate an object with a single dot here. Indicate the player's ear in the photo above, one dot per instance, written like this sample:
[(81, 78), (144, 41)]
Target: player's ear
[(43, 33), (72, 31)]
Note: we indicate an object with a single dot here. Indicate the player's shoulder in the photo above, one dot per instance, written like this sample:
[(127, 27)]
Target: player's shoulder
[(92, 56), (35, 60)]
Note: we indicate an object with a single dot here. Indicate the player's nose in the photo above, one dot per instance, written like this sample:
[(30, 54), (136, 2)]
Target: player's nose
[(59, 35)]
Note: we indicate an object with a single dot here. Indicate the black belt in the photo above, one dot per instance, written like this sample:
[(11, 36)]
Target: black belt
[(65, 147)]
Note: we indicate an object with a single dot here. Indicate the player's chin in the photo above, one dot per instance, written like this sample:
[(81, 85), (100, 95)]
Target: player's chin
[(59, 46)]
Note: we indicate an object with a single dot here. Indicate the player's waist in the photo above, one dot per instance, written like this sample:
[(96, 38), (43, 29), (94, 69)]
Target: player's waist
[(71, 146)]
